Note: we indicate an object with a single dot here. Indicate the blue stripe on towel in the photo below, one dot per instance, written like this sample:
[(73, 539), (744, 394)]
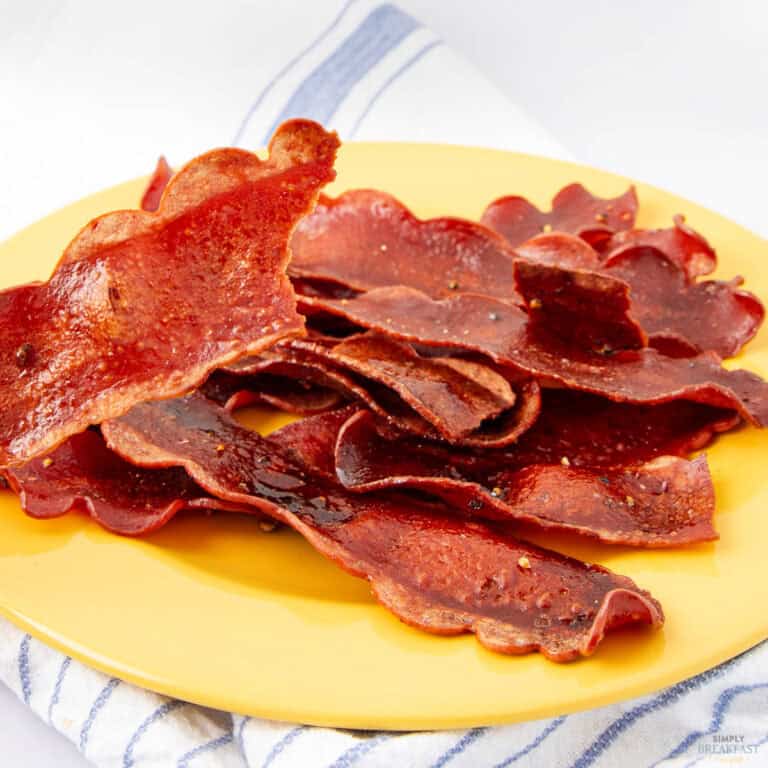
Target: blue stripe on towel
[(282, 744), (203, 749), (96, 707), (617, 727), (468, 738), (288, 67), (57, 687), (362, 748), (158, 714), (240, 741), (323, 90), (526, 750), (24, 674), (391, 79)]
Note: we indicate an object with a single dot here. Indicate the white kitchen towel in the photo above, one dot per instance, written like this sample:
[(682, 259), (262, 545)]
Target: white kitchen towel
[(92, 93)]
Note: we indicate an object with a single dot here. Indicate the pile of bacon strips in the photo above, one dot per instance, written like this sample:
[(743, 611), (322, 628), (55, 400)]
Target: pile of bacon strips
[(458, 379)]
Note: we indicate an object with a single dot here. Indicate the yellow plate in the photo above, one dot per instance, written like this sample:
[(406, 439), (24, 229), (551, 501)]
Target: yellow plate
[(213, 611)]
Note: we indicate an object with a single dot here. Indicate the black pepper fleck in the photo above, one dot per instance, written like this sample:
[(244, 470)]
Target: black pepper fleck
[(25, 355)]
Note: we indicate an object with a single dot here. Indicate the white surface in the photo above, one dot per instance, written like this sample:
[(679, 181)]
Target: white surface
[(672, 94), (668, 93)]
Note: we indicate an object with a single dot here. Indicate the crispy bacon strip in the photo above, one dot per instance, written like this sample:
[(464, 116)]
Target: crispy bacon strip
[(281, 392), (689, 316), (664, 503), (680, 244), (456, 401), (681, 317), (84, 474), (443, 575), (150, 200), (584, 308), (144, 305), (574, 210), (560, 250), (462, 401), (583, 430), (500, 331), (367, 239)]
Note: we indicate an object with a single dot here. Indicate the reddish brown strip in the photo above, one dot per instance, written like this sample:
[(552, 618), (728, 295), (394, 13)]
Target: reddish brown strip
[(485, 325), (281, 392), (84, 474), (367, 239), (582, 430), (560, 250), (664, 503), (692, 316), (150, 201), (680, 316), (680, 244), (443, 575), (455, 401), (574, 210), (462, 401), (144, 305), (581, 307)]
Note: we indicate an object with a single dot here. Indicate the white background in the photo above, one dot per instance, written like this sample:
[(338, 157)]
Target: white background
[(669, 93)]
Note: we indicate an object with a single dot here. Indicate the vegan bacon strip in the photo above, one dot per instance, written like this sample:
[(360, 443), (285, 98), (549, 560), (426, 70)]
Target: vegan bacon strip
[(84, 474), (367, 239), (461, 401), (440, 574), (281, 392), (679, 243), (574, 429), (162, 174), (143, 306), (481, 324), (680, 315), (581, 307), (663, 503), (455, 401), (574, 210)]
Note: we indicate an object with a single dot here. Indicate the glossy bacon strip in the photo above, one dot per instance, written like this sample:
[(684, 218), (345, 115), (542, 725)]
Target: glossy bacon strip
[(560, 250), (584, 430), (84, 474), (689, 317), (281, 392), (144, 305), (663, 503), (461, 401), (679, 243), (366, 239), (680, 316), (443, 575), (456, 401), (574, 210), (162, 174), (581, 430), (500, 331), (584, 308)]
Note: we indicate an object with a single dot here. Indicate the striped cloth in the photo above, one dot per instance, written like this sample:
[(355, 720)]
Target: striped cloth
[(372, 72)]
